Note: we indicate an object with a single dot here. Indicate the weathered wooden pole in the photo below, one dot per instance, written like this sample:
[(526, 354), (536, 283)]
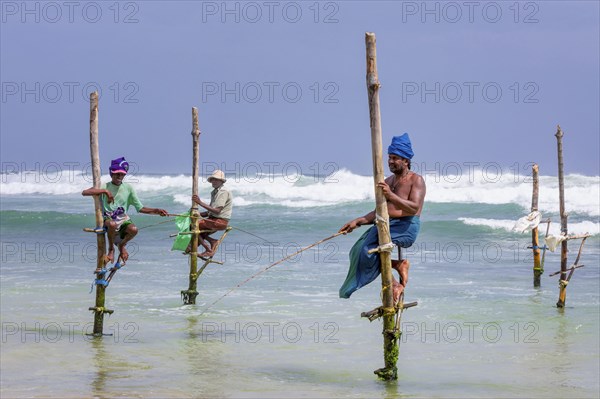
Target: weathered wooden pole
[(189, 295), (562, 296), (99, 310), (535, 241), (548, 221), (390, 333)]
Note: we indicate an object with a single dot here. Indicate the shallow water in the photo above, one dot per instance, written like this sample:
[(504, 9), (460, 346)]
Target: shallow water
[(480, 329)]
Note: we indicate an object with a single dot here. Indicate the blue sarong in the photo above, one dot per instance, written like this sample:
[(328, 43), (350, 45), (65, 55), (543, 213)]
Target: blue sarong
[(365, 267)]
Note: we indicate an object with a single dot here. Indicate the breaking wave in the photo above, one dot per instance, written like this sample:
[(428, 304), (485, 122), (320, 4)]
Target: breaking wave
[(582, 193)]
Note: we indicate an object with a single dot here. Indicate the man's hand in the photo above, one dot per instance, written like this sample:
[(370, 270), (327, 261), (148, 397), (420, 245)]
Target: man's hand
[(348, 227), (387, 191), (109, 197), (161, 212), (196, 199)]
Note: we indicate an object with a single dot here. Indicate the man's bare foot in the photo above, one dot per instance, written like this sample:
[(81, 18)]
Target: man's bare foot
[(123, 254), (398, 289), (202, 242), (110, 256), (206, 255)]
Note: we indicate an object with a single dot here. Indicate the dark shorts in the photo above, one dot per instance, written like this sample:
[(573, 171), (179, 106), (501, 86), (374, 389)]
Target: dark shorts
[(122, 230)]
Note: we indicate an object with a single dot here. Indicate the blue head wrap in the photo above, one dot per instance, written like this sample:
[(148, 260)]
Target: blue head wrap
[(401, 146)]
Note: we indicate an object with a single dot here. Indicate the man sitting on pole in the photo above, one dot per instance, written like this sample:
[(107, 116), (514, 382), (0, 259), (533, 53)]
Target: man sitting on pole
[(404, 192), (116, 197), (217, 214)]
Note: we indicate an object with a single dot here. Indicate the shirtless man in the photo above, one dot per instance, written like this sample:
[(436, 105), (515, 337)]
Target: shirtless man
[(116, 197), (405, 194)]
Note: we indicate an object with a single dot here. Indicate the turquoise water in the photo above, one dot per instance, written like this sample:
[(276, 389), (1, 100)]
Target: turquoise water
[(480, 329)]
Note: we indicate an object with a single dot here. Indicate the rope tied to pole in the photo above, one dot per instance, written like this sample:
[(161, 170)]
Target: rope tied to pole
[(98, 281), (388, 311), (380, 219), (389, 247), (268, 267), (563, 283)]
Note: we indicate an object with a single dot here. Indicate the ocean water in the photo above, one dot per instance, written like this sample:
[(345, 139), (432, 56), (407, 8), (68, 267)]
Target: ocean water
[(480, 328)]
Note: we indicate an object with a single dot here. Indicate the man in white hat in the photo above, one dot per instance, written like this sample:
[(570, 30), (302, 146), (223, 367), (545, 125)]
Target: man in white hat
[(217, 214)]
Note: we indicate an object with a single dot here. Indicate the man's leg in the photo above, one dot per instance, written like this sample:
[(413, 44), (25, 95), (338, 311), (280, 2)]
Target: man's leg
[(208, 253), (204, 224), (404, 232), (111, 229), (201, 238), (402, 268), (212, 243), (131, 231), (219, 226), (212, 224)]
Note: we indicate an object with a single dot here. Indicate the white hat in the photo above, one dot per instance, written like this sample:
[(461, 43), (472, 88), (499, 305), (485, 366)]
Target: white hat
[(217, 174)]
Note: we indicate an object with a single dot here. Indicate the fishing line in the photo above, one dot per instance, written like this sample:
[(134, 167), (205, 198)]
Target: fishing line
[(268, 267), (254, 235), (156, 224)]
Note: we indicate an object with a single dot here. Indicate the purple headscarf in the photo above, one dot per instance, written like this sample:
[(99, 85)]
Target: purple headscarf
[(119, 165)]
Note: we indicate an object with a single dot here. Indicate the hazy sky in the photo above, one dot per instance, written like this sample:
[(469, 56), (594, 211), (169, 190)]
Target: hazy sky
[(282, 84)]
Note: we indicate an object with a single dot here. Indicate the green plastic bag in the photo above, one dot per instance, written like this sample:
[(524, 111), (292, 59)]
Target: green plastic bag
[(183, 226)]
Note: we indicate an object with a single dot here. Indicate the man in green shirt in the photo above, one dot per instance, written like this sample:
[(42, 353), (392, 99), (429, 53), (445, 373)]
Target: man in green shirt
[(217, 214), (116, 198)]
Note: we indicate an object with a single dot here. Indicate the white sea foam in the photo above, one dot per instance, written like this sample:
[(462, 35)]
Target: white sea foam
[(574, 228), (582, 193), (76, 181)]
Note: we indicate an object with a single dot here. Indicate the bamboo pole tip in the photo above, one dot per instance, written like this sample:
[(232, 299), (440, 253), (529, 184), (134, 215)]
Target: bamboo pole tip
[(195, 128), (94, 95), (535, 167), (369, 36), (559, 132)]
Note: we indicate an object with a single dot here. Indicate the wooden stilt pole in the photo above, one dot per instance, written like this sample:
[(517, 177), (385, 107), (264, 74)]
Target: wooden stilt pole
[(189, 295), (535, 241), (99, 310), (390, 332), (548, 221), (562, 297)]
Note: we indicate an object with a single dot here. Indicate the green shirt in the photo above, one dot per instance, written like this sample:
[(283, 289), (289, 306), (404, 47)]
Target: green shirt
[(124, 196), (220, 197)]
